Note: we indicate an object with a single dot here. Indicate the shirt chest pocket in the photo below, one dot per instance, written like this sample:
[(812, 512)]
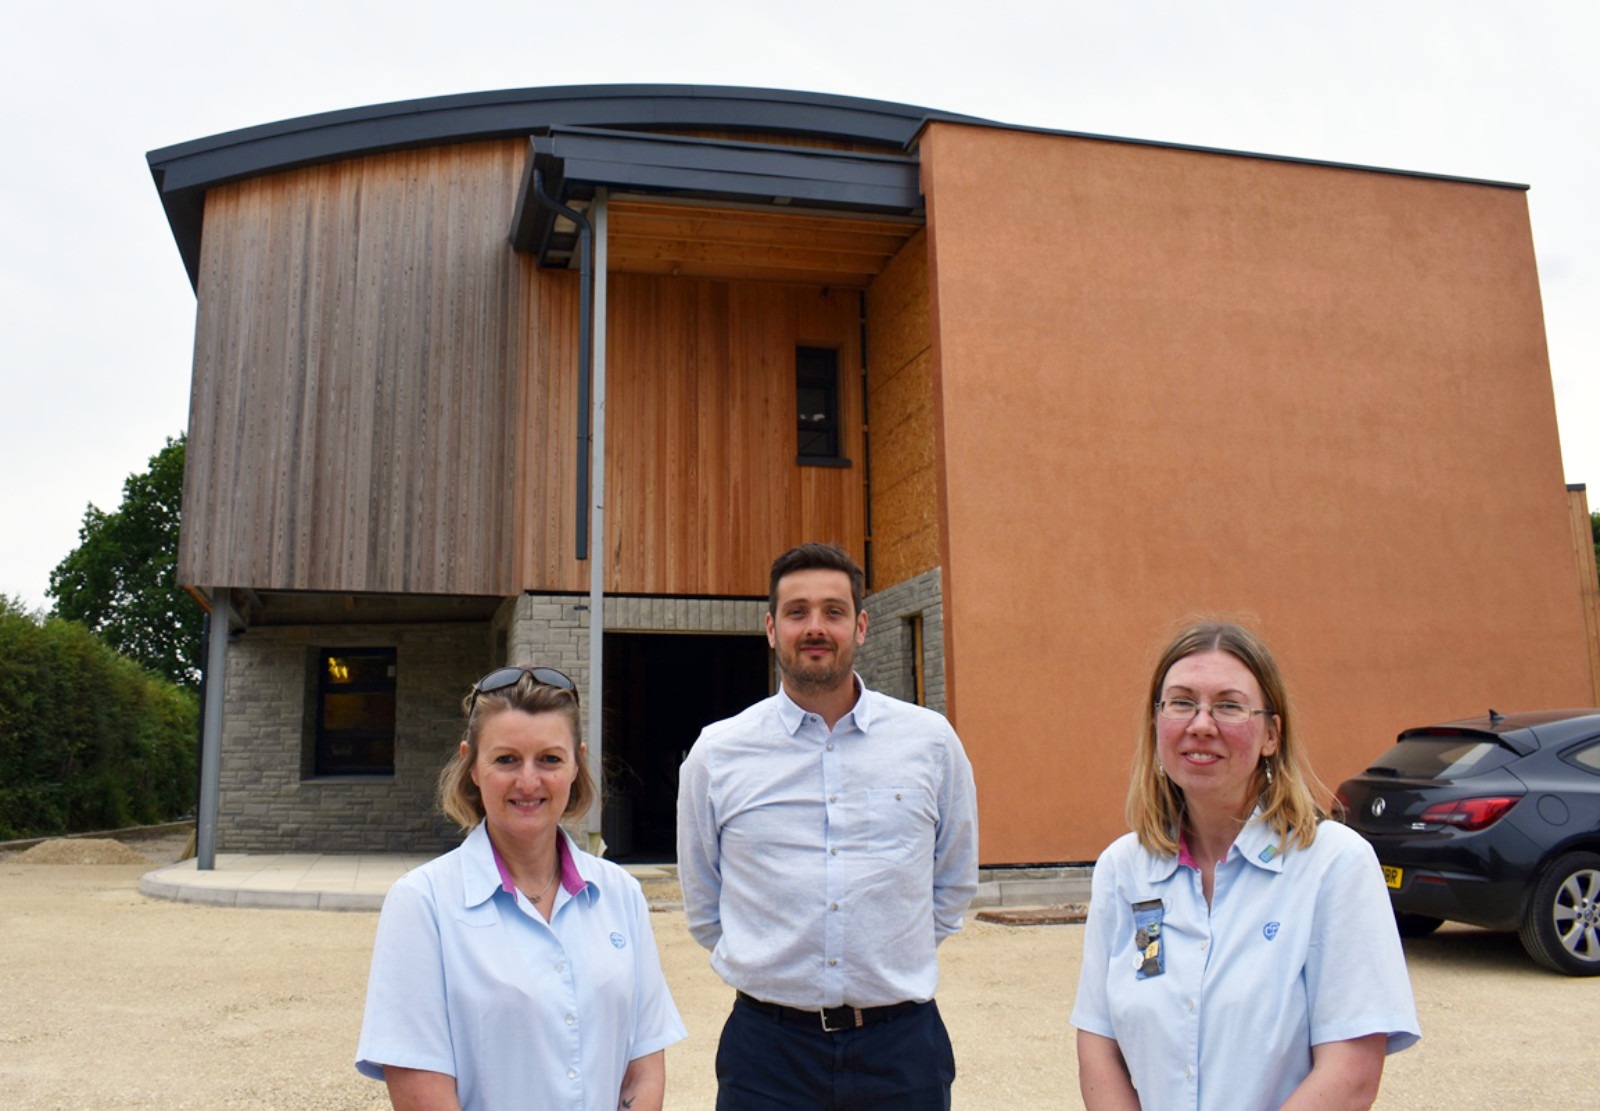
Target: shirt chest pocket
[(900, 822)]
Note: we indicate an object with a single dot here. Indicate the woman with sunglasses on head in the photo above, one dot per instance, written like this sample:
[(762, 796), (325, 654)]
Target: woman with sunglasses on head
[(518, 970), (1240, 953)]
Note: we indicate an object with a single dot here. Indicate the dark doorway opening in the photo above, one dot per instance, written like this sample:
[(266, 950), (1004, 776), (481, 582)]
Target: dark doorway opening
[(661, 690)]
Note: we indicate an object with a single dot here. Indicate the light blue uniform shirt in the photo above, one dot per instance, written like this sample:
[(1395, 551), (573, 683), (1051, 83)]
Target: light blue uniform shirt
[(1297, 948), (822, 868), (468, 980)]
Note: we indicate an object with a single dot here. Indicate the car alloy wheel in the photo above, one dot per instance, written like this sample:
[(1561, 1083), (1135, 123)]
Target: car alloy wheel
[(1561, 926)]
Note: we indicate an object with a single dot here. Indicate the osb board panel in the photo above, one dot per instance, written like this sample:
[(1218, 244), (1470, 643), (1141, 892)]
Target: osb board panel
[(900, 408), (353, 390), (702, 488), (1210, 383), (898, 307)]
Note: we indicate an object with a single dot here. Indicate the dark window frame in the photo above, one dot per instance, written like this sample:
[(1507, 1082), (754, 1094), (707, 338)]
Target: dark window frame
[(352, 752), (818, 430)]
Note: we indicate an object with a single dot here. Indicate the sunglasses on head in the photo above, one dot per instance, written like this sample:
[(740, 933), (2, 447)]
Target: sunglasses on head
[(504, 677)]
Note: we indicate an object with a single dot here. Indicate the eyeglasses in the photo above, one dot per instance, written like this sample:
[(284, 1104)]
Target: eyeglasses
[(1225, 713), (504, 677)]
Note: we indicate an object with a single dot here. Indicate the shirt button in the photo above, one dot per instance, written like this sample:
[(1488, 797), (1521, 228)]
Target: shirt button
[(1188, 1073), (833, 798), (833, 906), (1187, 1003), (830, 746), (832, 851), (1204, 945), (572, 1074), (898, 796), (571, 1019), (832, 962), (561, 966)]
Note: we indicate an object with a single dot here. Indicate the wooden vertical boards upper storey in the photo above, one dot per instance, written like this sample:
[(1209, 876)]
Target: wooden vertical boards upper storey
[(702, 484), (353, 406)]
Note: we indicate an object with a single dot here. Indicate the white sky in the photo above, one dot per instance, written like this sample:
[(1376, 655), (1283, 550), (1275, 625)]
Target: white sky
[(96, 312)]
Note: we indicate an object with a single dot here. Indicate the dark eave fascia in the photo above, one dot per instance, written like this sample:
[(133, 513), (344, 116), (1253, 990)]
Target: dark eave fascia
[(183, 172), (574, 161)]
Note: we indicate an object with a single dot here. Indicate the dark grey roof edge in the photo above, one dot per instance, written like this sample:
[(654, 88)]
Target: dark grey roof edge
[(184, 171), (1232, 153)]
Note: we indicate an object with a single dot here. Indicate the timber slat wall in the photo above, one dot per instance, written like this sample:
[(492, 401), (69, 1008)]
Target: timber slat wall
[(905, 519), (702, 486), (385, 393), (352, 423)]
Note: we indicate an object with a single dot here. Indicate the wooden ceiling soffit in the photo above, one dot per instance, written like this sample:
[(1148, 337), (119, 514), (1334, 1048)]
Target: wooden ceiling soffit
[(738, 210)]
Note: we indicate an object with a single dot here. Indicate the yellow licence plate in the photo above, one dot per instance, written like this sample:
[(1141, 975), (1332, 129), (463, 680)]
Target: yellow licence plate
[(1391, 876)]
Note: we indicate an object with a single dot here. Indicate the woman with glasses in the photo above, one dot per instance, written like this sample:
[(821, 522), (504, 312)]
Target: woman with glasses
[(518, 970), (1240, 953)]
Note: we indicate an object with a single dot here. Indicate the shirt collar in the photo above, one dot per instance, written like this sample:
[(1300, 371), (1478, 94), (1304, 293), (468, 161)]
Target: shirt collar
[(792, 715), (483, 872), (1256, 843)]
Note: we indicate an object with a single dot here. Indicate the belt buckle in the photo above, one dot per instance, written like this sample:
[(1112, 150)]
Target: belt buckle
[(849, 1012)]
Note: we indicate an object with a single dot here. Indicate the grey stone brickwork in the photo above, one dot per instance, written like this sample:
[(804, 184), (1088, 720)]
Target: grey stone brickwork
[(269, 804), (886, 661), (554, 629)]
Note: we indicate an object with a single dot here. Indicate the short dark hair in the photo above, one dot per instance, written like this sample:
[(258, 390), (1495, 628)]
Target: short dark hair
[(816, 557)]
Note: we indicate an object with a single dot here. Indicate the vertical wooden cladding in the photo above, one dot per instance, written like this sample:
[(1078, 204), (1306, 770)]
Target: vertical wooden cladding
[(702, 485), (354, 400), (905, 532)]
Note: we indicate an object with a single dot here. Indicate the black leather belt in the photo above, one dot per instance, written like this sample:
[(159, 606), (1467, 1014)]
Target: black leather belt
[(833, 1020)]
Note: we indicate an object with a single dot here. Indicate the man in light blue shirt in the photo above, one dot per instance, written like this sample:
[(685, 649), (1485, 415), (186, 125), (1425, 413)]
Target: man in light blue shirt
[(827, 842)]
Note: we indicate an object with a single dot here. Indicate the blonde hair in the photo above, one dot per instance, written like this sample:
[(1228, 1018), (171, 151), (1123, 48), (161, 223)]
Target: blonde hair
[(1287, 799), (459, 797)]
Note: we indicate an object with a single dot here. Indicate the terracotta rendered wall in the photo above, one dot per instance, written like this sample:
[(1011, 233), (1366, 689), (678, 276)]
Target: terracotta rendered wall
[(1172, 382)]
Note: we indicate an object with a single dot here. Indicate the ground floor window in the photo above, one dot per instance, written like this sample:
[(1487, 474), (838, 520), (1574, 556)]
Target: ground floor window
[(355, 712)]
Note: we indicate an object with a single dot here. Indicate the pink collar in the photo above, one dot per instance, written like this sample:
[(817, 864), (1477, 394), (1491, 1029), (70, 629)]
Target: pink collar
[(571, 881)]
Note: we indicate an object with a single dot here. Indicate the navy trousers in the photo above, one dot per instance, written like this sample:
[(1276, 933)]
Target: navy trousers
[(768, 1063)]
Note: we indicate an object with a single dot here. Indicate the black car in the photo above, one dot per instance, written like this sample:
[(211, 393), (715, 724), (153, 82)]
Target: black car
[(1494, 821)]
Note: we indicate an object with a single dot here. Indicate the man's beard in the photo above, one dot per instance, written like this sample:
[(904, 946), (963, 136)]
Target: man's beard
[(821, 675)]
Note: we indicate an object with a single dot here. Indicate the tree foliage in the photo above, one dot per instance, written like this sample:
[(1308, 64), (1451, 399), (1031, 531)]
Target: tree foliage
[(89, 740), (121, 581)]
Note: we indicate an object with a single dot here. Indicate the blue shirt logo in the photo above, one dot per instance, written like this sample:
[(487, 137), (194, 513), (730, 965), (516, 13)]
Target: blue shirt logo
[(1270, 930), (619, 941)]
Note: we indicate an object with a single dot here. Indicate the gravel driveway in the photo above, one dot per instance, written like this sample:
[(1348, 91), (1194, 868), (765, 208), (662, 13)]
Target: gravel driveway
[(112, 999)]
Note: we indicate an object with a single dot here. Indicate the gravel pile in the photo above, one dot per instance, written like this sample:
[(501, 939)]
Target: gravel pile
[(81, 850)]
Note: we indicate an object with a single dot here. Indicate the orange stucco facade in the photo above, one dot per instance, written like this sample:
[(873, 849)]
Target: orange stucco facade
[(1172, 382)]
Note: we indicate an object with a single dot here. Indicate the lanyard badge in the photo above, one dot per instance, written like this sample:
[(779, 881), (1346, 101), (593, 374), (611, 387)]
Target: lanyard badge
[(1149, 953)]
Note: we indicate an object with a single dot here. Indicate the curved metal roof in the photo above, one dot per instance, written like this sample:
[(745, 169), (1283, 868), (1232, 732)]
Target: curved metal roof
[(183, 172)]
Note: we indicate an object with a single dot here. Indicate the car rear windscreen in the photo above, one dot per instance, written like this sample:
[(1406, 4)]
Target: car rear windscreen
[(1442, 757)]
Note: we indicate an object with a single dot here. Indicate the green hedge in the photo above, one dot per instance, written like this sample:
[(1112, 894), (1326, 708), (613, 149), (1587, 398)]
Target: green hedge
[(88, 739)]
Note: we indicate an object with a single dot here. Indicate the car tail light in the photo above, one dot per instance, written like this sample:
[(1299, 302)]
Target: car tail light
[(1470, 814)]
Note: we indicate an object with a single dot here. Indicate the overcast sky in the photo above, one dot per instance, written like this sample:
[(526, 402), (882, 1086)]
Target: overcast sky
[(97, 311)]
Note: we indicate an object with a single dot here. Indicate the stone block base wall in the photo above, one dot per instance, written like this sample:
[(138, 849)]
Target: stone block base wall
[(887, 660), (267, 804)]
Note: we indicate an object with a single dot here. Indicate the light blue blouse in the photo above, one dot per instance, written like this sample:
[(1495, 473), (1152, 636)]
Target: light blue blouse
[(468, 980), (1298, 948)]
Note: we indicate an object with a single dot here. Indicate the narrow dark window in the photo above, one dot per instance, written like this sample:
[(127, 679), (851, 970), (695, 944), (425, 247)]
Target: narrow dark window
[(816, 389), (919, 677), (355, 712)]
